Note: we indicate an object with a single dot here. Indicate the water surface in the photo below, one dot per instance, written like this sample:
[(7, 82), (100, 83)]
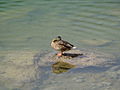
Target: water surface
[(27, 27)]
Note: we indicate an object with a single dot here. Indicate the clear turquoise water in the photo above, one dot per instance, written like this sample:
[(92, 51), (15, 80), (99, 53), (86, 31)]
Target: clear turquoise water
[(31, 24)]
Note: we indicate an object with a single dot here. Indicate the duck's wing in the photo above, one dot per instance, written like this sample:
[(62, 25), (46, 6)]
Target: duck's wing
[(65, 44)]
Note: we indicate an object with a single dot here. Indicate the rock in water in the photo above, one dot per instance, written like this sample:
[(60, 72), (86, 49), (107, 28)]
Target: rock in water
[(81, 58)]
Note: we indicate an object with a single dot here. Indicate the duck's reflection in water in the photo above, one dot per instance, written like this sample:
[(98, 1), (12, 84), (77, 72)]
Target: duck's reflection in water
[(60, 67)]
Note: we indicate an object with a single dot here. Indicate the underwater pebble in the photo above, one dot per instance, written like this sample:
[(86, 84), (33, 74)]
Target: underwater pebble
[(55, 82), (78, 79), (115, 68), (94, 85), (106, 83), (107, 88), (113, 75)]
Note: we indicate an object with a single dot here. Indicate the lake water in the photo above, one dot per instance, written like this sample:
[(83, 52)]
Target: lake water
[(28, 26)]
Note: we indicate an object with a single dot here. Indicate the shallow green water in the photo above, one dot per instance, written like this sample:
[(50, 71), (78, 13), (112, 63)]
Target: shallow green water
[(29, 25)]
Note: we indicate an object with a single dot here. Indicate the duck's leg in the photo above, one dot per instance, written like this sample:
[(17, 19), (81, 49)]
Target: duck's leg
[(59, 54)]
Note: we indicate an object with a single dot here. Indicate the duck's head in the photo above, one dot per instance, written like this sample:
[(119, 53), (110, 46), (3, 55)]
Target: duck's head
[(58, 38)]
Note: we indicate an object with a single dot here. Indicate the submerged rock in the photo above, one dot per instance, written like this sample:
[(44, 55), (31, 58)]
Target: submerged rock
[(20, 67), (81, 58), (76, 59), (17, 68)]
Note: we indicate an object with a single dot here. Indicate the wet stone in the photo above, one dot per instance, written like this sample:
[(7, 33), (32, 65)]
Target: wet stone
[(80, 58), (78, 79)]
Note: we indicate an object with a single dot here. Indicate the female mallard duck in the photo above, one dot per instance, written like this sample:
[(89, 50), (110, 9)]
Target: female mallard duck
[(61, 45)]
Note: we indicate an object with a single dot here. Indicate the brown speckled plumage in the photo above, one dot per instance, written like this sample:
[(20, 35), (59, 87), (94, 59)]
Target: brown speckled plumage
[(61, 45)]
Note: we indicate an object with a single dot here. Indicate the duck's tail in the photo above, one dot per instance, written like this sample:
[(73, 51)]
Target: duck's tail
[(74, 47)]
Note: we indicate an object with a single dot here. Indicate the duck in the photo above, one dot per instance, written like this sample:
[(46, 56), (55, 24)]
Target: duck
[(61, 45)]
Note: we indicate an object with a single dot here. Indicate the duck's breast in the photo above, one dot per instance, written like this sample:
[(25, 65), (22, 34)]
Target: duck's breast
[(56, 46)]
